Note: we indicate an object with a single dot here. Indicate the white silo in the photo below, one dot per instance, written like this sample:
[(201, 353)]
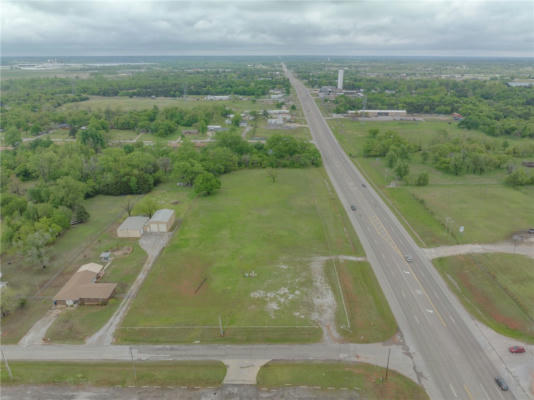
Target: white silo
[(340, 79)]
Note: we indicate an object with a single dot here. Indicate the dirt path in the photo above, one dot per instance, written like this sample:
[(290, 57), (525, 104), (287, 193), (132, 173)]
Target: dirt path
[(504, 247), (324, 302), (38, 331), (152, 243)]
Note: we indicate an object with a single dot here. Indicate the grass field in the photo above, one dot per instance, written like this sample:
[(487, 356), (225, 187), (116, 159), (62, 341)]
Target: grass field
[(251, 225), (488, 210), (173, 373), (139, 103), (497, 289), (370, 317), (79, 245), (264, 131), (367, 379)]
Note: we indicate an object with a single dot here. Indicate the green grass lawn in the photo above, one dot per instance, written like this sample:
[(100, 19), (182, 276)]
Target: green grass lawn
[(80, 244), (488, 210), (367, 379), (168, 373), (497, 289), (370, 317), (250, 225)]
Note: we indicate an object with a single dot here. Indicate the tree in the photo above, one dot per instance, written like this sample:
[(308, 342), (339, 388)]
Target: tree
[(148, 206), (35, 248), (422, 179), (206, 183), (128, 205), (402, 169), (273, 174), (13, 137)]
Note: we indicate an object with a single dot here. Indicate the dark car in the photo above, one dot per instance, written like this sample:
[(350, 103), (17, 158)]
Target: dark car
[(531, 231), (353, 207), (516, 349), (364, 185), (501, 383)]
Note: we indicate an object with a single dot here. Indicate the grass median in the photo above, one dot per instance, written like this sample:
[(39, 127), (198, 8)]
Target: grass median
[(168, 373), (368, 380)]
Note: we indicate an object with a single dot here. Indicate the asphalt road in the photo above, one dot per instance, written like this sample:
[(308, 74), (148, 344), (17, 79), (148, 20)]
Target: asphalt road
[(435, 326)]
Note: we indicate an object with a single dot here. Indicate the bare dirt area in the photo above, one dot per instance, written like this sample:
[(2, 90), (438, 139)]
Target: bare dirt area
[(233, 392), (525, 248)]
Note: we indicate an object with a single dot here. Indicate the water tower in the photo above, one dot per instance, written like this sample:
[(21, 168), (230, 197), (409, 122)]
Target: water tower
[(340, 79)]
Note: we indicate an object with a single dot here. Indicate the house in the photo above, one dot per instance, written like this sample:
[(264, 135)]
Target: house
[(161, 221), (217, 98), (132, 227), (214, 128), (82, 288)]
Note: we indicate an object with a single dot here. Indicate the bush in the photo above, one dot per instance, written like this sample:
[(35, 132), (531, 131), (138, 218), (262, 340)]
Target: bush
[(422, 179)]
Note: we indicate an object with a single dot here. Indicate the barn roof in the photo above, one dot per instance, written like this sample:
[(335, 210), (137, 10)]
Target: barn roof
[(133, 223), (163, 215)]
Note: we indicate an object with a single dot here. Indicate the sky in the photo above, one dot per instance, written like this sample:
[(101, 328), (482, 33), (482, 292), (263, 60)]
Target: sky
[(251, 27)]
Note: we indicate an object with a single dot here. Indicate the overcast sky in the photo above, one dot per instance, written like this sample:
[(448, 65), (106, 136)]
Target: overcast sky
[(225, 27)]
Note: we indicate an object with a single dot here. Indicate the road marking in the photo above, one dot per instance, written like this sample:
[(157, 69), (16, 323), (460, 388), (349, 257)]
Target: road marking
[(484, 391), (468, 392), (452, 319), (381, 230), (416, 319), (407, 272), (452, 389), (418, 291), (430, 311)]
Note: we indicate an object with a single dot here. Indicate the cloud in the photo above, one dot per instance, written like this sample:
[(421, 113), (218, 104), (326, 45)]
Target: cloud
[(120, 27)]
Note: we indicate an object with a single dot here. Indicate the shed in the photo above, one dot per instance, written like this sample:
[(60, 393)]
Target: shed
[(161, 221), (132, 227), (82, 288)]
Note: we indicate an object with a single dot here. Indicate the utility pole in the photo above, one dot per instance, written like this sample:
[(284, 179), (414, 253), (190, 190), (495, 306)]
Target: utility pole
[(133, 365), (221, 331), (7, 365), (387, 365)]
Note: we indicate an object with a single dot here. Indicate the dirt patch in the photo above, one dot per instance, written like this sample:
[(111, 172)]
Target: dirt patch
[(123, 251), (275, 299), (175, 202)]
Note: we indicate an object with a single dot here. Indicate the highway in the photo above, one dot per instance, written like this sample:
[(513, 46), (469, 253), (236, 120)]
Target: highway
[(435, 327)]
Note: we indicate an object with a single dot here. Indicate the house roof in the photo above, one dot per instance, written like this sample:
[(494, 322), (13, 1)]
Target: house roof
[(162, 215), (133, 223), (93, 267), (81, 286)]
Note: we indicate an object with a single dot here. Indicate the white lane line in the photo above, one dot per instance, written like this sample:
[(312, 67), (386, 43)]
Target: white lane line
[(419, 292), (452, 319), (428, 310), (484, 391), (416, 320), (407, 272), (452, 389)]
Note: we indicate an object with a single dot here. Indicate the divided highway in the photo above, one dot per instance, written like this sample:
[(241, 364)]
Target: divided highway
[(440, 334)]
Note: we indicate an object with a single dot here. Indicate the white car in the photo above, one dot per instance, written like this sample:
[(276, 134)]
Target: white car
[(408, 258)]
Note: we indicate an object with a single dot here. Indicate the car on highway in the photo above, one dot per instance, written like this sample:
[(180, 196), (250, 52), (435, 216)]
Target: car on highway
[(531, 231), (516, 349), (364, 185), (353, 207), (501, 383), (408, 258)]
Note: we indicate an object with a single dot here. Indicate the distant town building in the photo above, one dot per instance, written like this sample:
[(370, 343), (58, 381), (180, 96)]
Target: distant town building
[(214, 128), (382, 113), (217, 98)]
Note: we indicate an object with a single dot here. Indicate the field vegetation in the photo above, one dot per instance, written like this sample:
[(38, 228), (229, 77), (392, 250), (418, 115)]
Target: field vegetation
[(160, 373), (238, 248), (432, 198), (497, 289), (367, 380)]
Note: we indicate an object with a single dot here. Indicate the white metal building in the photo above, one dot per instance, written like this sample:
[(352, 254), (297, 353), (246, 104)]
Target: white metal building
[(340, 79), (161, 221), (132, 227)]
